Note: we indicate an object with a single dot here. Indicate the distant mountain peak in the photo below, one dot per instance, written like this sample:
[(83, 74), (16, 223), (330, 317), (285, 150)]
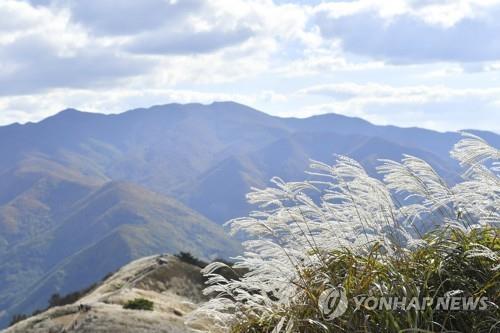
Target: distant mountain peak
[(69, 112), (229, 103)]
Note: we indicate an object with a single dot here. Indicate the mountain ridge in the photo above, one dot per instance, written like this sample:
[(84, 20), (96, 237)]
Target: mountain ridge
[(228, 103), (114, 224), (79, 186)]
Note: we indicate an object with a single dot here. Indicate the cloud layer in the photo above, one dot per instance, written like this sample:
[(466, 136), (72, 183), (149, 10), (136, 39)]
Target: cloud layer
[(402, 62), (416, 36)]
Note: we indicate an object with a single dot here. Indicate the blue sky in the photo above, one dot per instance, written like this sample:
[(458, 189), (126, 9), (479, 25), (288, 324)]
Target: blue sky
[(426, 63)]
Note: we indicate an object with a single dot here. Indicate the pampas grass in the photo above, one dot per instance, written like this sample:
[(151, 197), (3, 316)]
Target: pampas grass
[(409, 234)]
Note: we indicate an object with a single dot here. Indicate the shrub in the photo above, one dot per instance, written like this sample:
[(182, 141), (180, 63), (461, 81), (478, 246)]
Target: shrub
[(190, 259), (410, 234), (139, 304), (17, 318)]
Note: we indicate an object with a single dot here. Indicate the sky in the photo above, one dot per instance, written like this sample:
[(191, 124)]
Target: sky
[(426, 63)]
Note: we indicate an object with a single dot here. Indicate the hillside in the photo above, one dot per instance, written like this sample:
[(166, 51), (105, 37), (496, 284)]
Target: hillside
[(174, 149), (173, 286), (82, 193), (288, 158), (113, 225), (34, 195)]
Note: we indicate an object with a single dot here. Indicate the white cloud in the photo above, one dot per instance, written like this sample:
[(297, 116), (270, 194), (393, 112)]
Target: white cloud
[(20, 16), (127, 17), (385, 94), (455, 31), (324, 60), (180, 42), (437, 107), (36, 107), (68, 44), (272, 97), (32, 63)]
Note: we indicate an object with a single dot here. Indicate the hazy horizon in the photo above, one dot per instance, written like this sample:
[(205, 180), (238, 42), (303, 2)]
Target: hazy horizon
[(145, 108)]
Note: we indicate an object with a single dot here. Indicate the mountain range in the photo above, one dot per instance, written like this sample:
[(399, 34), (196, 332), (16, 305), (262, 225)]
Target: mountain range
[(82, 194)]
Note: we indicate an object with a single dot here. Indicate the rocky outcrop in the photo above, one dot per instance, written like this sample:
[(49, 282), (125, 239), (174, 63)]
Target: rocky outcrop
[(173, 286)]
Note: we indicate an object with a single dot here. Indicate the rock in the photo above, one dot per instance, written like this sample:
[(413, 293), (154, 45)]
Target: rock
[(173, 286)]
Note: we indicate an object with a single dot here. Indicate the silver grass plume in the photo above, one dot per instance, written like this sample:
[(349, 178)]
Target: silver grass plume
[(297, 223)]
